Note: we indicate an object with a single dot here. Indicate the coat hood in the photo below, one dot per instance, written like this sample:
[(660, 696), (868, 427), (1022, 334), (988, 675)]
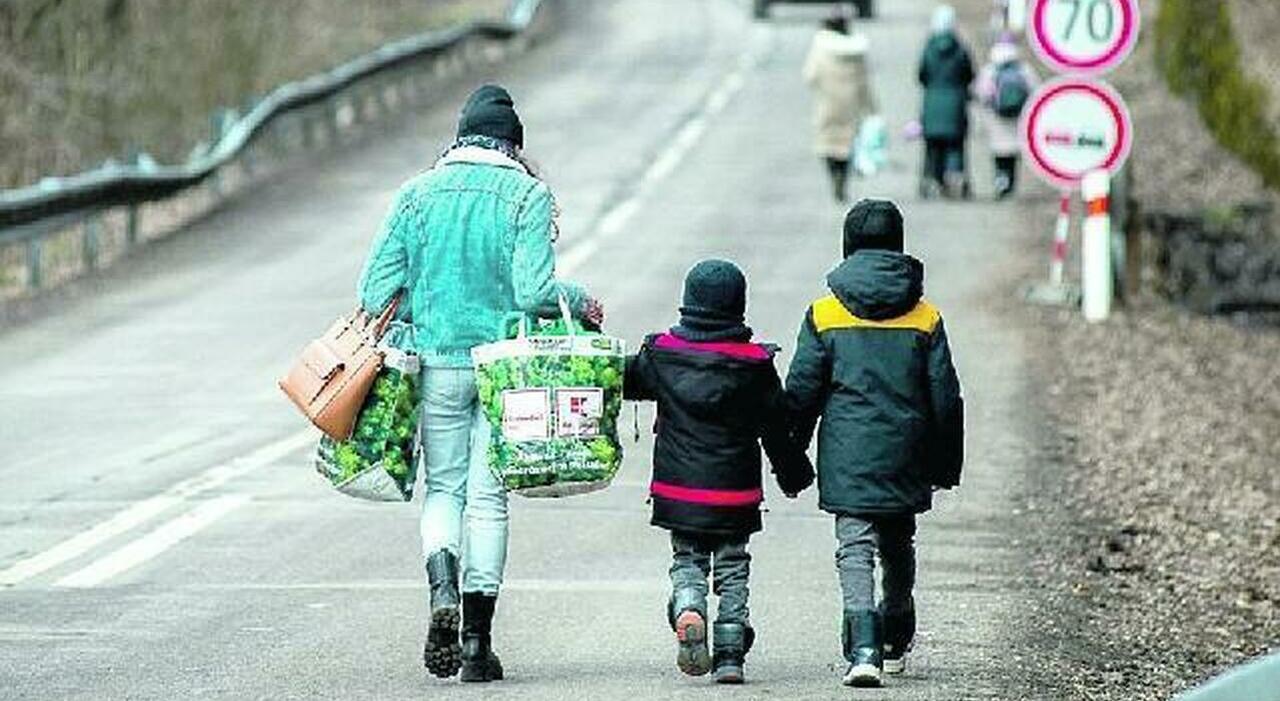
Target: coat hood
[(843, 46), (708, 394), (876, 284), (943, 44)]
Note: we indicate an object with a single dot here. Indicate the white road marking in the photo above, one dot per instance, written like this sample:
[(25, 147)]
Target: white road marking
[(154, 543), (148, 509), (616, 218), (572, 259), (82, 543)]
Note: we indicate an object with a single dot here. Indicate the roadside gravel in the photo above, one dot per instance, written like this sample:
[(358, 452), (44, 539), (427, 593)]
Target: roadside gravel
[(1158, 559), (1153, 510)]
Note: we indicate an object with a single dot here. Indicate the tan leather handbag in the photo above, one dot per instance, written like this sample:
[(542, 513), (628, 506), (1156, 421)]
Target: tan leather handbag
[(332, 377)]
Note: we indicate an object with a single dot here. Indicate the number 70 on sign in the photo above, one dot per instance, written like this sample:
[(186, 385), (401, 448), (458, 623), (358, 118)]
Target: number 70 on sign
[(1083, 36)]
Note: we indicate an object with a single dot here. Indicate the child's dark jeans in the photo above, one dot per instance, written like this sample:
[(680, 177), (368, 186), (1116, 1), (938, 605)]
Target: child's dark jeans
[(726, 560), (860, 539)]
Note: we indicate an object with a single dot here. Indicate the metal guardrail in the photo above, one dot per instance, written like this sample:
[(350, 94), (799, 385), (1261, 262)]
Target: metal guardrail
[(114, 184)]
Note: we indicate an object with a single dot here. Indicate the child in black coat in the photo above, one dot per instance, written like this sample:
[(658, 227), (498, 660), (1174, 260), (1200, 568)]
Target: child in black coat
[(873, 363), (719, 398)]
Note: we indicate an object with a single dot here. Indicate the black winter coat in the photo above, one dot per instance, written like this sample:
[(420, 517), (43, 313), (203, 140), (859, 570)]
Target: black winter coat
[(945, 73), (874, 364), (717, 402)]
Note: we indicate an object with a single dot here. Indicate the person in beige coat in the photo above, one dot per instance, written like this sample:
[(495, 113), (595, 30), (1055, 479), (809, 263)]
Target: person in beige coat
[(836, 71)]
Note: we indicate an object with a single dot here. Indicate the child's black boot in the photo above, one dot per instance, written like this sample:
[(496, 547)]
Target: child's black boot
[(899, 631), (479, 664), (731, 644), (442, 653), (863, 648)]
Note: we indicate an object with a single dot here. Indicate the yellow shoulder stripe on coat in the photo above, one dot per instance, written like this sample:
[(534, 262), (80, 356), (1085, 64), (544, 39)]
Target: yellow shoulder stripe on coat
[(829, 313)]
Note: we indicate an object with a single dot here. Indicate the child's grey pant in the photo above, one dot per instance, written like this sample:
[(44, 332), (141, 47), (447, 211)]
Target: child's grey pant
[(859, 539), (726, 560)]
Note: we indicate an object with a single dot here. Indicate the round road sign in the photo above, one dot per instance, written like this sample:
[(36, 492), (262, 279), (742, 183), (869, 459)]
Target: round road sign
[(1083, 36), (1075, 125)]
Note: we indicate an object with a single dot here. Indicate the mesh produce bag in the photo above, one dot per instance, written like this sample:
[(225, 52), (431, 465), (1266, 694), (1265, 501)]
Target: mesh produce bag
[(552, 395), (379, 461)]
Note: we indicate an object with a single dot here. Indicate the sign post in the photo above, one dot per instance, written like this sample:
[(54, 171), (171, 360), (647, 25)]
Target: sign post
[(1076, 128)]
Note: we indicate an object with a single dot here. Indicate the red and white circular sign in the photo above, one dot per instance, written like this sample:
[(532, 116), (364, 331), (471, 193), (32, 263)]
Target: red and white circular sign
[(1072, 126), (1083, 36)]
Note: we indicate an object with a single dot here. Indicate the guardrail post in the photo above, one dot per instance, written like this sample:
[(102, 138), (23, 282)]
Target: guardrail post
[(35, 249), (331, 126), (356, 103), (215, 184), (383, 91), (89, 239), (308, 125), (132, 219)]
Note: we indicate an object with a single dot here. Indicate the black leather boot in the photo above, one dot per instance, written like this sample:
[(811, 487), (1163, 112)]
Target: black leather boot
[(864, 648), (730, 644), (442, 653), (479, 664)]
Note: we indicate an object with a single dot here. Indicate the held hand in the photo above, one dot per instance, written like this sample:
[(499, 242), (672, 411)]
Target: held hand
[(593, 313)]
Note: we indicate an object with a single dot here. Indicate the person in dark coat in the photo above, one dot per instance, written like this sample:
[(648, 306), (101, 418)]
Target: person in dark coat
[(873, 362), (719, 398), (946, 70)]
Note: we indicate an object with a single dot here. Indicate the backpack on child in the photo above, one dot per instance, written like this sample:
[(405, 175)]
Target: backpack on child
[(1012, 90)]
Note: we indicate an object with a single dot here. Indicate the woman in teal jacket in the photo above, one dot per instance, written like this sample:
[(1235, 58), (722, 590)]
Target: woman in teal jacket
[(467, 245)]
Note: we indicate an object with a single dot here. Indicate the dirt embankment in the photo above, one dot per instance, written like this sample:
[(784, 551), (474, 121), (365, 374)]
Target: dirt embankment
[(1163, 553), (84, 81)]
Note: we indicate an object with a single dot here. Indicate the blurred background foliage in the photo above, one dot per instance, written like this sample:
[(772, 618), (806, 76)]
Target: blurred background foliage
[(86, 80), (1200, 56)]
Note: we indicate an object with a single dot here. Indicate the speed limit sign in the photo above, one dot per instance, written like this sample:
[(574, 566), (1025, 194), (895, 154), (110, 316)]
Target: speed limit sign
[(1083, 36)]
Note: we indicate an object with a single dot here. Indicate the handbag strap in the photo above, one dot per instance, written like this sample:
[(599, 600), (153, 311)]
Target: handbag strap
[(380, 325), (372, 326)]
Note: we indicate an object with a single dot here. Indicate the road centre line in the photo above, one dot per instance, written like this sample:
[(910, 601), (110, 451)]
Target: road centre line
[(147, 509), (615, 218), (154, 543), (530, 585), (85, 541)]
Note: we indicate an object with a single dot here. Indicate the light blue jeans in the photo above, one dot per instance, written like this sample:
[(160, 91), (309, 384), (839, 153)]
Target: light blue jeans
[(465, 509)]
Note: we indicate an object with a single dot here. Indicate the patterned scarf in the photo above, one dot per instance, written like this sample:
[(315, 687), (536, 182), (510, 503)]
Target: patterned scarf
[(513, 152)]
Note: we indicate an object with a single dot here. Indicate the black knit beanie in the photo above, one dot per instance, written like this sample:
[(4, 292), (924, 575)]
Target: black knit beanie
[(715, 303), (491, 112), (873, 224)]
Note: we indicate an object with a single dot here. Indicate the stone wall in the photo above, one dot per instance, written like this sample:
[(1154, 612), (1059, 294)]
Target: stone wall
[(1218, 261)]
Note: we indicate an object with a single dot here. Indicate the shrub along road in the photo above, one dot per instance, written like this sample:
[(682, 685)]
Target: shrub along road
[(670, 131)]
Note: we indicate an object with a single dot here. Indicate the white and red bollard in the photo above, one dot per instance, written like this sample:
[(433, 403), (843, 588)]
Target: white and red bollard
[(1061, 230), (1095, 251)]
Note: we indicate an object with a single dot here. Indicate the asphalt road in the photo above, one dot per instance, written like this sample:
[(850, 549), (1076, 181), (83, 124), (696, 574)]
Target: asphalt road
[(162, 534)]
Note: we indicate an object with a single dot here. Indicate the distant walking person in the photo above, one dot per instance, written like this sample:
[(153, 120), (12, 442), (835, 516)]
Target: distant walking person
[(1004, 86), (873, 363), (836, 70), (466, 245), (946, 70)]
